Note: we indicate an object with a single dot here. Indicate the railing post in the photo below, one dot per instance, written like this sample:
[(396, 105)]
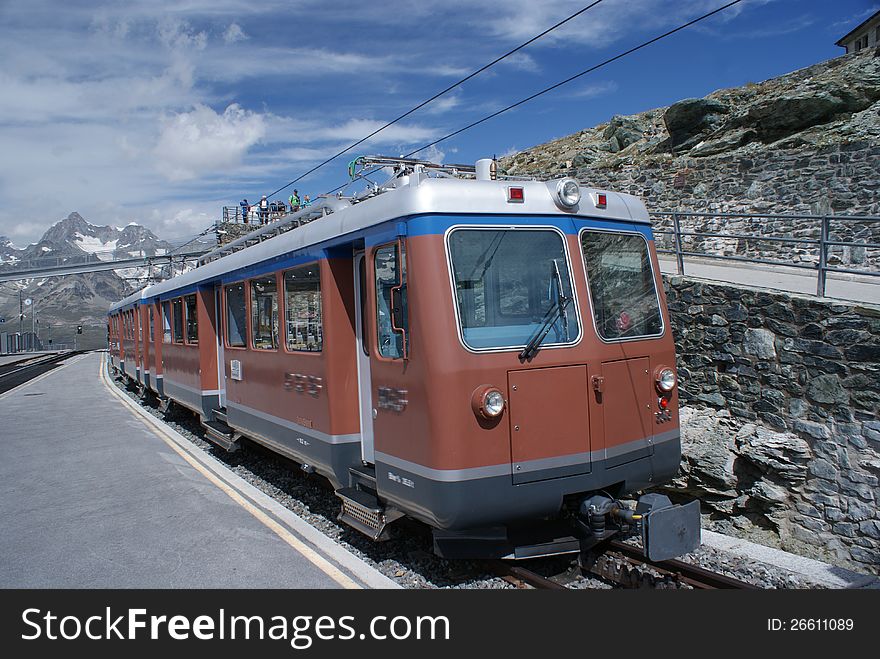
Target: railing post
[(823, 257), (679, 257)]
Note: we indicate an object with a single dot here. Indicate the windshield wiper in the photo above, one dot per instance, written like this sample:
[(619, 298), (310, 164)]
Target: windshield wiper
[(553, 314), (561, 299)]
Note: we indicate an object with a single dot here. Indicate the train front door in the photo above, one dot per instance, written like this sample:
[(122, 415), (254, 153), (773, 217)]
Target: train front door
[(363, 359)]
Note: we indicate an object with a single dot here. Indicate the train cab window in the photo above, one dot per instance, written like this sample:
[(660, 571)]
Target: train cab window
[(236, 316), (391, 301), (151, 324), (510, 285), (192, 319), (177, 320), (166, 322), (264, 313), (302, 307), (622, 288)]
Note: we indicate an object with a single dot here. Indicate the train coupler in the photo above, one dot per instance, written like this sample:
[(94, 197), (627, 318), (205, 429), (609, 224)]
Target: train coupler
[(667, 529)]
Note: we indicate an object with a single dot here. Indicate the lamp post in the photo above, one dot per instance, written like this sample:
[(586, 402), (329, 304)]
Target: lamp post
[(28, 302)]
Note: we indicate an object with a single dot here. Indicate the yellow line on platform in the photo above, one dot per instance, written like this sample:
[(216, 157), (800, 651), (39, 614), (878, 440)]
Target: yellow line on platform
[(156, 427)]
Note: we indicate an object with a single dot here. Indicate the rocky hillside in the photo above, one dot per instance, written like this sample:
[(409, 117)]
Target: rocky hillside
[(62, 303), (806, 142)]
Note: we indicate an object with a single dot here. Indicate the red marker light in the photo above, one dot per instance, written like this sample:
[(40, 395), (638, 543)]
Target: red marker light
[(601, 200), (516, 195), (663, 403)]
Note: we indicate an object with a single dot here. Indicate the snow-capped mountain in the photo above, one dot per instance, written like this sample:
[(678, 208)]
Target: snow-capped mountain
[(74, 235), (62, 303)]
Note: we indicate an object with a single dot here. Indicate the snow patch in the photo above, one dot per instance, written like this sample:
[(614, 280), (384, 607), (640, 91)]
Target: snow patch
[(92, 244), (45, 249)]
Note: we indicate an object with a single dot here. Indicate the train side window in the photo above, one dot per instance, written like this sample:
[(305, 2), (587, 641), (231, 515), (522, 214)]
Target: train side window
[(621, 282), (177, 319), (392, 317), (236, 316), (140, 325), (264, 313), (151, 324), (192, 319), (302, 307), (166, 322)]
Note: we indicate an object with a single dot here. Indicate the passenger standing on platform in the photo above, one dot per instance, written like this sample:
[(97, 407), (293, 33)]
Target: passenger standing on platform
[(294, 201), (245, 207), (306, 201), (264, 210)]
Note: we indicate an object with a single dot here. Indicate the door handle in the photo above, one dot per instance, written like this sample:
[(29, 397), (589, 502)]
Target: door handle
[(598, 383)]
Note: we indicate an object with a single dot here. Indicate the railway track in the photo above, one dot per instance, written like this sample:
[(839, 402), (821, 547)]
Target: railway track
[(16, 374), (624, 566)]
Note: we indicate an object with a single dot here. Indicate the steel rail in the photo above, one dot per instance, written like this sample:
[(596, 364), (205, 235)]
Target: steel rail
[(693, 575)]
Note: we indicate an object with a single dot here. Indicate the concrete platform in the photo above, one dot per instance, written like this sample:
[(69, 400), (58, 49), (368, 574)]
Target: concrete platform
[(95, 493)]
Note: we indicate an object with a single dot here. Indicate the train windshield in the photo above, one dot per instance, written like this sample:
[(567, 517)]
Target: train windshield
[(506, 282), (622, 289)]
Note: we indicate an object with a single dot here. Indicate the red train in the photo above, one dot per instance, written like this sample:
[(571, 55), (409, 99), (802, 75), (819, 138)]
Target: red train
[(491, 357)]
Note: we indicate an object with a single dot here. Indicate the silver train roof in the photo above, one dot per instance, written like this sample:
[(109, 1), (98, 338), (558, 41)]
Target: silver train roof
[(415, 194)]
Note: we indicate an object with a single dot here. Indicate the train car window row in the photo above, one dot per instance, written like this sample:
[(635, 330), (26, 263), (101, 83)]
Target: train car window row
[(151, 323), (507, 282), (302, 304), (622, 288), (392, 317), (192, 319), (264, 313)]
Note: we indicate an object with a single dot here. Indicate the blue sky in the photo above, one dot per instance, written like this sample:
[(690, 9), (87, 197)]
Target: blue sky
[(162, 111)]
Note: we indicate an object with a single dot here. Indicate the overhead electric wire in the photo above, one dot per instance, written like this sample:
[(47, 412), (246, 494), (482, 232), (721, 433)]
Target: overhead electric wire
[(574, 77), (437, 95), (561, 83)]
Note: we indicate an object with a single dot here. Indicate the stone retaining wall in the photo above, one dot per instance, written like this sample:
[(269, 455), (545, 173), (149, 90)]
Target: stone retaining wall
[(788, 441)]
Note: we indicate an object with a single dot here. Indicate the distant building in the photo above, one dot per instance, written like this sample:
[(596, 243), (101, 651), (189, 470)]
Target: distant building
[(865, 35)]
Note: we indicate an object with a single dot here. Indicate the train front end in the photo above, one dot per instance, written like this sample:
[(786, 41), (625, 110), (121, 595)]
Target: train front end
[(543, 371)]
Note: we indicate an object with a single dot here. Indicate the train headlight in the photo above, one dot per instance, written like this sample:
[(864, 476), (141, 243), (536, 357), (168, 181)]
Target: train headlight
[(666, 380), (493, 403), (568, 192), (488, 402)]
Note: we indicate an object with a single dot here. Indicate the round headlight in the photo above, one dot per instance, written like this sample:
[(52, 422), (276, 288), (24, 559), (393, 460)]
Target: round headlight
[(493, 403), (568, 192), (666, 380)]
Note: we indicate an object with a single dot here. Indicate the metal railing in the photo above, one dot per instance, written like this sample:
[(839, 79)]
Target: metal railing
[(237, 215), (684, 240)]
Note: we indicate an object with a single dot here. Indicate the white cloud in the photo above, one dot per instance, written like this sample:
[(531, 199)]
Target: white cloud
[(234, 33), (202, 141), (523, 62), (594, 90)]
